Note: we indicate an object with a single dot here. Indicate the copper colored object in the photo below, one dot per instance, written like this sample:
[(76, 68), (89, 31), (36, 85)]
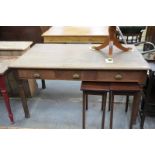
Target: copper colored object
[(112, 38)]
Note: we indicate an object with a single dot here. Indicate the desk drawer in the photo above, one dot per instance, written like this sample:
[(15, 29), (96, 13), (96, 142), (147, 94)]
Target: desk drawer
[(36, 74), (50, 74), (85, 75)]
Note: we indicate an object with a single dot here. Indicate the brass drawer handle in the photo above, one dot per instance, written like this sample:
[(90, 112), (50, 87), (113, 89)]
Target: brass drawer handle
[(118, 77), (36, 75), (76, 76)]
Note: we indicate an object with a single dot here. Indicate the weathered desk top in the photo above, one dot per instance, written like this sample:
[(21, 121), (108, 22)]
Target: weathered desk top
[(76, 31), (78, 56), (15, 45), (4, 63)]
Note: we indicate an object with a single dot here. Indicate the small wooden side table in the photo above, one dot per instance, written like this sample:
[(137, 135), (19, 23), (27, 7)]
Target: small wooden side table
[(3, 89), (12, 49)]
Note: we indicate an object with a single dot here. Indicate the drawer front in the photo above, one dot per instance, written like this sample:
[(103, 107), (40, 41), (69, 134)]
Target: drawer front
[(84, 75), (50, 74), (36, 74)]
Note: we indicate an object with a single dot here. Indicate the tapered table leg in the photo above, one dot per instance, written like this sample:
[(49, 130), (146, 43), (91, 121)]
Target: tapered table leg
[(23, 98), (6, 98), (104, 97), (135, 108), (111, 102), (127, 103), (43, 84), (86, 98), (84, 111)]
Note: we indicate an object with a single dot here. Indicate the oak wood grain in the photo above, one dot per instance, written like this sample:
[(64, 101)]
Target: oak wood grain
[(75, 34)]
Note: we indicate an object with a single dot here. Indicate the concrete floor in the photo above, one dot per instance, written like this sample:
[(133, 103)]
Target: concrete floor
[(59, 106)]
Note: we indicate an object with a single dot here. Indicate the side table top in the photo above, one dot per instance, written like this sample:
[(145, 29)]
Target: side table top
[(4, 63), (14, 45)]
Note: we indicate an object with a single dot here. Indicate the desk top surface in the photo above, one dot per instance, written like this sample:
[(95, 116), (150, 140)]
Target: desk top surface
[(14, 45), (4, 63), (78, 56), (76, 31)]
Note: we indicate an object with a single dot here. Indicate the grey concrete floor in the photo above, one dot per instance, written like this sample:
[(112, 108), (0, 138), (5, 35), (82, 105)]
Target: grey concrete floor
[(59, 106)]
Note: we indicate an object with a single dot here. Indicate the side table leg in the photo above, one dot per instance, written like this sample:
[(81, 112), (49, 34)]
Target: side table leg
[(23, 98), (111, 102), (6, 98), (135, 108), (43, 84), (84, 111), (104, 97)]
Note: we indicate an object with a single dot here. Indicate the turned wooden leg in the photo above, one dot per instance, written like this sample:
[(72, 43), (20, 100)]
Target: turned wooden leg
[(84, 109), (7, 104), (127, 103), (103, 45), (111, 109), (43, 84), (112, 37), (119, 45), (135, 108), (23, 98), (104, 97), (6, 98)]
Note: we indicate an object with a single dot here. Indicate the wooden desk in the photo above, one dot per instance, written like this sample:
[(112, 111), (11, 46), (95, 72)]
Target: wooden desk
[(78, 62), (71, 34), (12, 49), (4, 62)]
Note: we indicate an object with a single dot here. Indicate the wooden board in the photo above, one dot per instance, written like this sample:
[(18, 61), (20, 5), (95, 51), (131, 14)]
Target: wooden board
[(15, 45), (14, 48)]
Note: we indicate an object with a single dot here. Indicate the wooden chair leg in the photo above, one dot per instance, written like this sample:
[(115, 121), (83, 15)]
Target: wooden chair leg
[(112, 98), (142, 121), (127, 103), (86, 101), (43, 84), (102, 105), (135, 107), (103, 108), (109, 103), (142, 112), (84, 109), (111, 109)]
